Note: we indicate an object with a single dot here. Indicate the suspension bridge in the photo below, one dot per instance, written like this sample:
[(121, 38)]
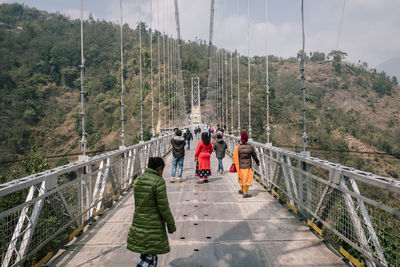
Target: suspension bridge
[(305, 211)]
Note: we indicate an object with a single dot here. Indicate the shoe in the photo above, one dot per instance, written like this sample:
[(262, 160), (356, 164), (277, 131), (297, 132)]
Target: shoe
[(180, 180), (205, 180), (247, 195), (172, 180), (241, 192)]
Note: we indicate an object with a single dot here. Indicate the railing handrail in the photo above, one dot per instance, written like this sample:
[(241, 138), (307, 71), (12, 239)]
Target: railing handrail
[(18, 184), (330, 197), (363, 176), (67, 201)]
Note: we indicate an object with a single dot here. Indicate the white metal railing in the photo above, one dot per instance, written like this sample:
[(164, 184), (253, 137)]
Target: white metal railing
[(358, 211), (42, 211)]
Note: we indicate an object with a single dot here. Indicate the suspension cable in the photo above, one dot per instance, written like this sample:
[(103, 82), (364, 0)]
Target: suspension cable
[(217, 85), (168, 60), (226, 91), (173, 79), (122, 83), (248, 62), (267, 69), (171, 48), (153, 133), (179, 57), (231, 38), (303, 88), (221, 87), (340, 25), (82, 67), (176, 83), (231, 94), (158, 66), (164, 74), (238, 92), (210, 63), (238, 76), (140, 73)]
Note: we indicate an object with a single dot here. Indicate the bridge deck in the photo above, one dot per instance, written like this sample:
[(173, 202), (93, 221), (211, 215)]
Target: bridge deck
[(215, 227)]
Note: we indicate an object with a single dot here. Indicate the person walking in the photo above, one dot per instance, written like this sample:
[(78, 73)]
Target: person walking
[(178, 155), (188, 137), (198, 133), (242, 156), (148, 233), (219, 147), (202, 158)]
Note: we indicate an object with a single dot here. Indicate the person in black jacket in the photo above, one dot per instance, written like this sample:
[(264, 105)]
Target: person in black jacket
[(178, 155), (188, 136), (219, 147)]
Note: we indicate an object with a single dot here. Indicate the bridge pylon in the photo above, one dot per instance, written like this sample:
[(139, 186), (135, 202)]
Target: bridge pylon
[(195, 117)]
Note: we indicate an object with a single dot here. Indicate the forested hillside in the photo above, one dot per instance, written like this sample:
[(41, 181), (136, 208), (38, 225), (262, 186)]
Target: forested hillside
[(349, 106)]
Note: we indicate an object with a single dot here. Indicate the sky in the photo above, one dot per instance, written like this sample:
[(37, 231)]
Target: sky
[(370, 28)]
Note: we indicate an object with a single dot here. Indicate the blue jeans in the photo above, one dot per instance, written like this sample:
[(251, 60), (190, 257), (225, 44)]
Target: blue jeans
[(179, 162), (220, 165), (187, 144)]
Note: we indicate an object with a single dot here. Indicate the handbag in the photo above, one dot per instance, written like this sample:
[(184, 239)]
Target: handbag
[(232, 168)]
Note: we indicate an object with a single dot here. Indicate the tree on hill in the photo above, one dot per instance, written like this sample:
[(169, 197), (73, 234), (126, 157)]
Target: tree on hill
[(317, 56), (338, 56)]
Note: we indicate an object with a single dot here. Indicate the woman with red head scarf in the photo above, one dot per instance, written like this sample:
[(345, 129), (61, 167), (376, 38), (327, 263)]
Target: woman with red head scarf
[(242, 157)]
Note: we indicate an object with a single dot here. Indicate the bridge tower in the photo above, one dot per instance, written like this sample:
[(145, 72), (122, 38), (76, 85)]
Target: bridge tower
[(196, 107)]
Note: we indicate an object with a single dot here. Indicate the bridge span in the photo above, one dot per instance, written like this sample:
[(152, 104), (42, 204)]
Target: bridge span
[(297, 202), (215, 227)]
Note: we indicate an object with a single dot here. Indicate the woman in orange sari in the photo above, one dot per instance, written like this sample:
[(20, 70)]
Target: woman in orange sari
[(242, 157)]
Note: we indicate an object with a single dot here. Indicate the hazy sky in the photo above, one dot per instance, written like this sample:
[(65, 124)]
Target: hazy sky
[(370, 28)]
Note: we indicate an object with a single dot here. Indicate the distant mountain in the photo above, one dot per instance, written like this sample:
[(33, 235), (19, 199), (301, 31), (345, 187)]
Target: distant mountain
[(391, 67)]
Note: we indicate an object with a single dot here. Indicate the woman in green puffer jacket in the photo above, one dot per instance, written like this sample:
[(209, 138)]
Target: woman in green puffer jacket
[(148, 235)]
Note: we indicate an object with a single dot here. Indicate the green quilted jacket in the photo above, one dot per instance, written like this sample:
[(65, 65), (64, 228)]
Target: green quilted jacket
[(148, 234)]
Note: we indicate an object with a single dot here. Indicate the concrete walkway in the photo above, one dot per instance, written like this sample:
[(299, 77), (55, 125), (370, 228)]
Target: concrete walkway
[(215, 227)]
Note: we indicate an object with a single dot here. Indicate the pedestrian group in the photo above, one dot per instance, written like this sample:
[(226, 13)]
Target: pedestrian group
[(152, 218)]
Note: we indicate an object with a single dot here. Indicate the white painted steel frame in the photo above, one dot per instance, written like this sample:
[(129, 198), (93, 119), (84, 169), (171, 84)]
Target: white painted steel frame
[(132, 160), (273, 166)]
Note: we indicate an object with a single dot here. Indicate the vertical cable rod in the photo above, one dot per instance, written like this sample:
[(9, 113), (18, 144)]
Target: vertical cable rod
[(140, 74), (153, 133), (226, 91), (303, 88), (216, 83), (168, 83), (268, 129), (238, 76), (248, 62), (179, 57), (122, 83), (221, 89), (82, 67), (159, 66), (340, 25), (210, 63), (231, 94), (217, 87), (238, 92), (176, 83), (164, 74), (173, 82)]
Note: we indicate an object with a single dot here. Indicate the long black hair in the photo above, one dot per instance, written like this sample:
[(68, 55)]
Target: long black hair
[(205, 138), (155, 162)]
